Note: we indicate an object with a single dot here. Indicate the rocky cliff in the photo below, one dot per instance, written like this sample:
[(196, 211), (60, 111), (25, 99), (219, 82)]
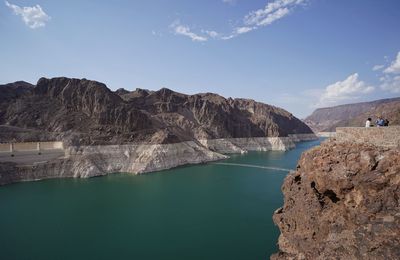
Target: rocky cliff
[(327, 119), (342, 202), (84, 112), (132, 131)]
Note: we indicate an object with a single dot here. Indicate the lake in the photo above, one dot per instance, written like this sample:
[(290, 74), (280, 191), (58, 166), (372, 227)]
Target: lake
[(207, 211)]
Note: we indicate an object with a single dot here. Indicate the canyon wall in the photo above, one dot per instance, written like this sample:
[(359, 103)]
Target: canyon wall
[(139, 131)]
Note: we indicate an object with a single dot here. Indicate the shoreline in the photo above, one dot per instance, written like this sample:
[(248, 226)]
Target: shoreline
[(100, 160)]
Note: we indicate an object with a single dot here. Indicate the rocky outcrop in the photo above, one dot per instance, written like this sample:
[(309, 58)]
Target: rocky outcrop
[(85, 112), (327, 119), (342, 202)]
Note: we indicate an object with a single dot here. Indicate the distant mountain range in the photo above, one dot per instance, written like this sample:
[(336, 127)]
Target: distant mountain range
[(327, 119), (80, 111)]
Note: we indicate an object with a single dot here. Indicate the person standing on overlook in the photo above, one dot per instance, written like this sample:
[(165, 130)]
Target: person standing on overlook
[(368, 122)]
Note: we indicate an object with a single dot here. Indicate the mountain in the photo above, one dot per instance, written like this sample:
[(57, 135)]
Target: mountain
[(327, 119), (80, 111)]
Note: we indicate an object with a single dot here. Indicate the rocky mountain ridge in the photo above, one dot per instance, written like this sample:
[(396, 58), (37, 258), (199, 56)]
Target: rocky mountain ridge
[(327, 119), (106, 132), (80, 111)]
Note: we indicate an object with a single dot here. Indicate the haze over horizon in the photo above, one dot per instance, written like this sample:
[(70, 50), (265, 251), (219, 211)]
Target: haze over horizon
[(295, 54)]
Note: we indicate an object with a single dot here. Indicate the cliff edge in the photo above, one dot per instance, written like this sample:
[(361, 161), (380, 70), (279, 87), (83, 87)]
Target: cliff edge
[(342, 202)]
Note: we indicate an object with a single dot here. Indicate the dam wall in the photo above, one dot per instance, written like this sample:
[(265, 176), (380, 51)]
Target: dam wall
[(388, 136), (30, 146)]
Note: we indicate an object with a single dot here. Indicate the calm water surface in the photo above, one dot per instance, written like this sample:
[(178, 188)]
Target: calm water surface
[(194, 212)]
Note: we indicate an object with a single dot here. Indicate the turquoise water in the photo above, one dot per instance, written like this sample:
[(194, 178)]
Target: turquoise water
[(194, 212)]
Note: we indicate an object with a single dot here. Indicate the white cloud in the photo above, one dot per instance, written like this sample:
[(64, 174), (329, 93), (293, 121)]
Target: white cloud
[(185, 31), (378, 67), (272, 17), (395, 66), (342, 91), (391, 84), (244, 29), (272, 12), (156, 33), (34, 16), (229, 2), (212, 34), (390, 80), (228, 37)]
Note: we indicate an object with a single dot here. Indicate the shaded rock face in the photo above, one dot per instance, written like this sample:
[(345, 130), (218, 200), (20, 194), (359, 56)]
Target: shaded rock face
[(327, 119), (80, 111), (341, 203)]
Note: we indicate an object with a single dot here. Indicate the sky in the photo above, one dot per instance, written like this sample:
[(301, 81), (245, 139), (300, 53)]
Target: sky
[(295, 54)]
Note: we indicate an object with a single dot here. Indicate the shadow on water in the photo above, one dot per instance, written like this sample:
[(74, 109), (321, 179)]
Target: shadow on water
[(196, 212)]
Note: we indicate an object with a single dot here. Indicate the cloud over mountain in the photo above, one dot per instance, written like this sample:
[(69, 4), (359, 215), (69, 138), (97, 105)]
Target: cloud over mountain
[(342, 91), (34, 17)]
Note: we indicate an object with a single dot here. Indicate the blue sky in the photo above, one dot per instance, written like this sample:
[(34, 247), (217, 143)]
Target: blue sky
[(296, 54)]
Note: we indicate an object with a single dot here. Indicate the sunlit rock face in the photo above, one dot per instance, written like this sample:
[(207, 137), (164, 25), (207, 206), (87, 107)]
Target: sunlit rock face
[(85, 112), (342, 202)]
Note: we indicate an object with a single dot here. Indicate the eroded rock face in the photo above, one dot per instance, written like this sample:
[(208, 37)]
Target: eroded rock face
[(341, 203), (85, 112)]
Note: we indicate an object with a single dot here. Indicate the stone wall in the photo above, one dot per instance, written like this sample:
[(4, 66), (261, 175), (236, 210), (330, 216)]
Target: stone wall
[(4, 147), (380, 136), (31, 146), (326, 134)]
